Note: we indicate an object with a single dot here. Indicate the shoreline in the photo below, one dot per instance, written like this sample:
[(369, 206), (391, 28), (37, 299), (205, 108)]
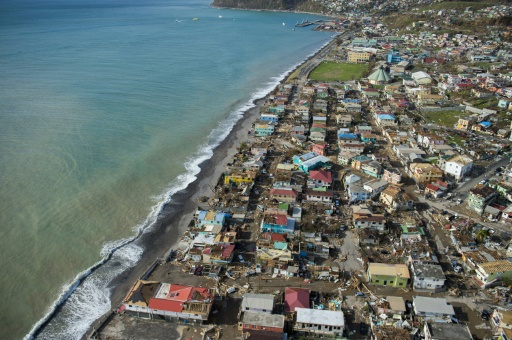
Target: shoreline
[(174, 218), (274, 10), (179, 212)]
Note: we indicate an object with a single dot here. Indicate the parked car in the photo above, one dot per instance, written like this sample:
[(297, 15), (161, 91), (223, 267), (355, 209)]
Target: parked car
[(241, 259)]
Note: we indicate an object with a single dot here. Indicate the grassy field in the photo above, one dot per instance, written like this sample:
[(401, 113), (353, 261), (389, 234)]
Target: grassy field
[(443, 118), (329, 71)]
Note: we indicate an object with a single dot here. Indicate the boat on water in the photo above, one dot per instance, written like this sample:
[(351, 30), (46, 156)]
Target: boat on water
[(220, 16), (284, 24), (195, 19)]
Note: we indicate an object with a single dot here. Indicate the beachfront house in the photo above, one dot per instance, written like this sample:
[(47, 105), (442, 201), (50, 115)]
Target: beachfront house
[(239, 176), (264, 128), (152, 299), (211, 218)]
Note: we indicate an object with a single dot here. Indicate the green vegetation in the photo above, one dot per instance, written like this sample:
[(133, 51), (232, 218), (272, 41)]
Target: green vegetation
[(485, 103), (452, 138), (282, 5), (330, 71), (459, 5), (443, 118)]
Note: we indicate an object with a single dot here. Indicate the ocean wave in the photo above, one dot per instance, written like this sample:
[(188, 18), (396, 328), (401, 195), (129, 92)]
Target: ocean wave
[(88, 296)]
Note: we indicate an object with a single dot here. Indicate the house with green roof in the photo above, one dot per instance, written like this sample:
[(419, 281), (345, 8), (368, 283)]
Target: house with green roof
[(380, 77)]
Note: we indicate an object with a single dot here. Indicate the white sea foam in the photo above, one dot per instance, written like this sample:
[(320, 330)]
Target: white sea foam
[(88, 296)]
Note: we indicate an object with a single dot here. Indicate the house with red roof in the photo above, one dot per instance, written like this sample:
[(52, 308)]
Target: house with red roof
[(433, 61), (284, 194), (149, 299), (269, 240), (220, 254), (320, 148), (319, 179), (295, 298)]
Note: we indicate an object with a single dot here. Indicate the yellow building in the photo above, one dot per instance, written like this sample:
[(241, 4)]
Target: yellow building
[(425, 173), (358, 57), (240, 176), (464, 124)]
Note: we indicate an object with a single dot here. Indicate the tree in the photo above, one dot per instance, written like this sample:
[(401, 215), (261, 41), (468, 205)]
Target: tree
[(481, 235)]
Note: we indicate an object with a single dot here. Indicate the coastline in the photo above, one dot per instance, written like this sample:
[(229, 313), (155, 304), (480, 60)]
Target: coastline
[(274, 10), (175, 217)]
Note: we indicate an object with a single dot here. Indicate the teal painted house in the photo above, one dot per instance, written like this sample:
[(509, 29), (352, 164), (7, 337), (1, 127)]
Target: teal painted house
[(310, 161), (279, 224), (278, 109), (264, 129)]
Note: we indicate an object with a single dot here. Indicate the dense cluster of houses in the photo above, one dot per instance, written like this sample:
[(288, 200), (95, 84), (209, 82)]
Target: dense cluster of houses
[(358, 154)]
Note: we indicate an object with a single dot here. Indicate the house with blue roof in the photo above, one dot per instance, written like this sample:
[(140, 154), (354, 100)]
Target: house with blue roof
[(343, 135), (310, 161), (211, 218), (394, 57), (386, 119), (266, 117)]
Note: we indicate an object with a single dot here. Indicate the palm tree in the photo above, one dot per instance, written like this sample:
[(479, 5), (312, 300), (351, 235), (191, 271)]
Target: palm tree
[(481, 235)]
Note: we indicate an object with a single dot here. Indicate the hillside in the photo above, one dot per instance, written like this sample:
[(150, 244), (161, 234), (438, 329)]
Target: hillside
[(282, 5)]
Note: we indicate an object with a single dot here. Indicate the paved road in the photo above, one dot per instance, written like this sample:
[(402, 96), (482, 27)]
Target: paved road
[(350, 248), (463, 189)]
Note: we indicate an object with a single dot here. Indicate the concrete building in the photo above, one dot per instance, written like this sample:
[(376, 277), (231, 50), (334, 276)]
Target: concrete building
[(428, 277), (481, 196), (358, 57), (321, 322), (384, 274), (432, 308), (150, 299), (259, 303), (490, 271), (252, 321), (446, 331), (458, 166)]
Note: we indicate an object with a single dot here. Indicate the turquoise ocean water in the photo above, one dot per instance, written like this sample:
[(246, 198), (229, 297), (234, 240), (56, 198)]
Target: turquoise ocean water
[(106, 108)]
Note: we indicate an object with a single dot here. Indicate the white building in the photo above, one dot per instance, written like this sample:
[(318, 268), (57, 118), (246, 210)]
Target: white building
[(317, 321), (432, 308), (428, 277), (375, 187), (458, 166)]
